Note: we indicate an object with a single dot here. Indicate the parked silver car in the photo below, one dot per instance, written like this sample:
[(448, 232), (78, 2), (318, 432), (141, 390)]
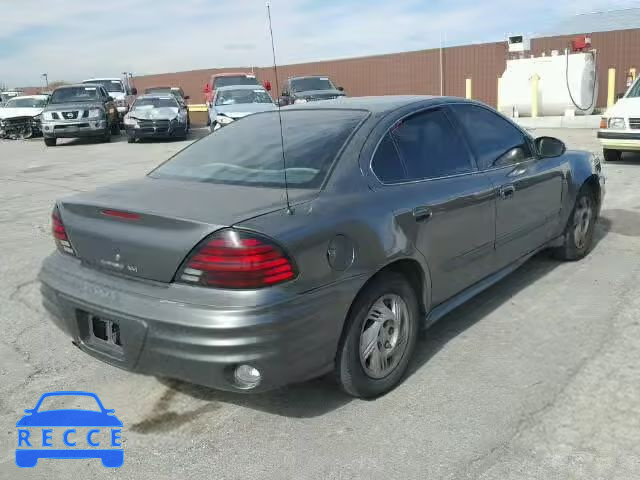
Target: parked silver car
[(237, 101), (398, 209)]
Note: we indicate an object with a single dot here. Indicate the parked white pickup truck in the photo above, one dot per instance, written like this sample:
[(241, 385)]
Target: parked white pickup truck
[(121, 92), (620, 125)]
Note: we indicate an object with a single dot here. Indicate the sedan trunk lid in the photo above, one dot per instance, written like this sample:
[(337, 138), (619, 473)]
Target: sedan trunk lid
[(145, 228)]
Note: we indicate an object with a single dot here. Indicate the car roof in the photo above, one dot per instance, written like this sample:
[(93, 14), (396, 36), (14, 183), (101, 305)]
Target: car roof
[(76, 85), (240, 87), (233, 74), (380, 104), (166, 96), (43, 97), (298, 77)]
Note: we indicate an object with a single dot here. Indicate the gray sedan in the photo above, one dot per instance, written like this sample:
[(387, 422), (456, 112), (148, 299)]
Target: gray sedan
[(236, 266)]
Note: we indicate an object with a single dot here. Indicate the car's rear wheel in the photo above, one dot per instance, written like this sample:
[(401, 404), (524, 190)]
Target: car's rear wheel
[(611, 155), (131, 140), (379, 337), (578, 235), (50, 142)]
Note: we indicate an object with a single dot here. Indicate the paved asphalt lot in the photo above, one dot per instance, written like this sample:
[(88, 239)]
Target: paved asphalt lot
[(537, 378)]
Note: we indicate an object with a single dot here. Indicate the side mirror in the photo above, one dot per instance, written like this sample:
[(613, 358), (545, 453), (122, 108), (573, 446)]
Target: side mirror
[(28, 410), (341, 89), (285, 93), (549, 147), (110, 98), (619, 96), (134, 91), (186, 97)]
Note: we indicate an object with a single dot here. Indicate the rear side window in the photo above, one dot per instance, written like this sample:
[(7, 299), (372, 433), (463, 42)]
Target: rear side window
[(430, 147), (495, 141), (386, 163), (249, 152)]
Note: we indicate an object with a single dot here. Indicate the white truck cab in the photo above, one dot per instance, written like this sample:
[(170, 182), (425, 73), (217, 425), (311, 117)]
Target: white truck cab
[(122, 93), (620, 125)]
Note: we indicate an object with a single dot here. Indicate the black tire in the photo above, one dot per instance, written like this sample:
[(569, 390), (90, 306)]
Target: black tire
[(131, 140), (349, 369), (50, 142), (572, 248), (612, 155), (115, 128)]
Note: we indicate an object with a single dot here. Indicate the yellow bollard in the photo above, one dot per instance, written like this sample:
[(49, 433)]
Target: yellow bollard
[(535, 80), (632, 71), (611, 93), (498, 105), (468, 88)]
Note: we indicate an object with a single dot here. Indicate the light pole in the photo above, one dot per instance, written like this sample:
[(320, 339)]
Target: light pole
[(46, 79)]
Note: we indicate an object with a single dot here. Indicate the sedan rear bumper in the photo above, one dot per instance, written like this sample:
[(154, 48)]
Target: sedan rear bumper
[(288, 341)]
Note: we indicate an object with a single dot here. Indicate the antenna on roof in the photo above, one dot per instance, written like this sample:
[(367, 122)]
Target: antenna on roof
[(275, 70)]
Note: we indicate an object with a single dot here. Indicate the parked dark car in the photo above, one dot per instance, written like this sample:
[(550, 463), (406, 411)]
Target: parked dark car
[(84, 110), (400, 209), (309, 89), (156, 116)]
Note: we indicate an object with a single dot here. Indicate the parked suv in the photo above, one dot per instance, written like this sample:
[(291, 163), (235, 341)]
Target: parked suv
[(309, 89), (83, 110)]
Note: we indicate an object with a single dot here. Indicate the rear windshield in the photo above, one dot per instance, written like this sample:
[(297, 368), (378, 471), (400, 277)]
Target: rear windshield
[(312, 139), (311, 83), (234, 80), (109, 85)]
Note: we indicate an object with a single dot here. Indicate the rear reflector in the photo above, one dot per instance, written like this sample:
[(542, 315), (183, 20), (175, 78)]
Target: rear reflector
[(60, 234), (122, 215), (237, 260)]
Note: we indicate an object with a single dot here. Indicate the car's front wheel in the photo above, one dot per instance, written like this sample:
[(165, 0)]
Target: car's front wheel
[(578, 235), (611, 155), (50, 142), (379, 337)]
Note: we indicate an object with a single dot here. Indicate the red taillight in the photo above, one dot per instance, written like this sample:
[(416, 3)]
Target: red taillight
[(121, 214), (236, 259), (60, 234)]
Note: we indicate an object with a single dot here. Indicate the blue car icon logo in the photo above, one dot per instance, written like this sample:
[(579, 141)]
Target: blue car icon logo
[(57, 428)]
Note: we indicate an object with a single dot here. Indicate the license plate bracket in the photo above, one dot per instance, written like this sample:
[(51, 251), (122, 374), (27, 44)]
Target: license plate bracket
[(106, 330)]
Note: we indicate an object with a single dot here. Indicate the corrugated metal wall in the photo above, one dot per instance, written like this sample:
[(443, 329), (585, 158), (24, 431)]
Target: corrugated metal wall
[(419, 72)]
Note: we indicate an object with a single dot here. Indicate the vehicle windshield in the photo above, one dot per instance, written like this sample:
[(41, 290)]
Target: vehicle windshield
[(26, 103), (147, 103), (312, 139), (234, 80), (74, 94), (69, 402), (234, 97), (311, 83), (109, 85), (635, 90)]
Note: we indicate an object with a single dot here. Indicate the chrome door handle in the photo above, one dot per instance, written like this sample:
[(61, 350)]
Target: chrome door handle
[(507, 192), (422, 214)]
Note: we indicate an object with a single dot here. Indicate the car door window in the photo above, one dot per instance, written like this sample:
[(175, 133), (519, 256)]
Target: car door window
[(386, 163), (430, 147), (494, 140)]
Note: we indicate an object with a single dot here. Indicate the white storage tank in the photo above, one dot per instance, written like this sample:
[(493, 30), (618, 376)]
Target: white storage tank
[(557, 81)]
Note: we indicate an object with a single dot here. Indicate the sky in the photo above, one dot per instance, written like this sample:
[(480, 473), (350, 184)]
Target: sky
[(76, 39)]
